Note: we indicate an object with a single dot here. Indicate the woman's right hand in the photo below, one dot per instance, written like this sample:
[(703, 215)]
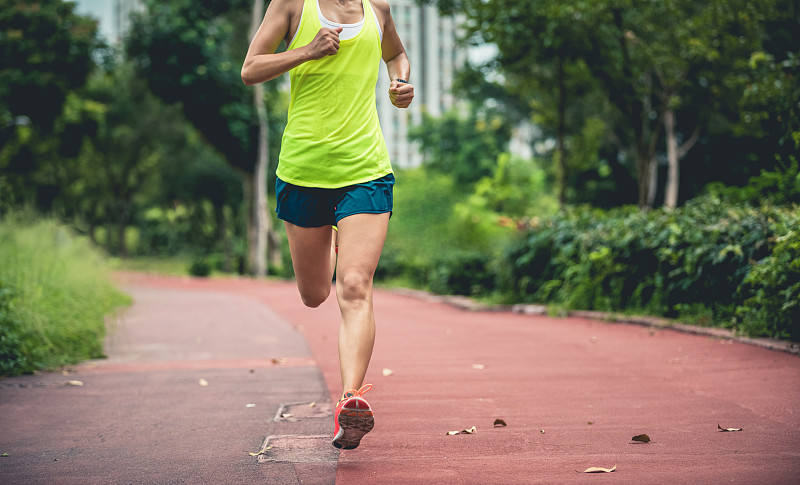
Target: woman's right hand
[(325, 43)]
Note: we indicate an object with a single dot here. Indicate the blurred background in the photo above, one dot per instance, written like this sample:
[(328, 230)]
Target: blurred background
[(636, 157)]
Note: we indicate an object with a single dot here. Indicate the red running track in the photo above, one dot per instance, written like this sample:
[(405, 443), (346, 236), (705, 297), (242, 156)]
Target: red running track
[(572, 391)]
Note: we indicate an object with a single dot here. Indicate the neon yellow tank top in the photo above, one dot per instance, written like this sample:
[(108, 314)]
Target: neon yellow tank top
[(333, 137)]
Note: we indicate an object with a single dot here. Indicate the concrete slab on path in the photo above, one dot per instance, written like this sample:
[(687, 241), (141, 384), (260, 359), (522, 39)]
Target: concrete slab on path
[(192, 385)]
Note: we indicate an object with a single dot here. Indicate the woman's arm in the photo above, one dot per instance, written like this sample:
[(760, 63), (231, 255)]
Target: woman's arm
[(262, 64), (401, 91)]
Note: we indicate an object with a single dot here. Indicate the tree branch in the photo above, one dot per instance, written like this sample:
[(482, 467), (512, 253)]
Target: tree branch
[(689, 144)]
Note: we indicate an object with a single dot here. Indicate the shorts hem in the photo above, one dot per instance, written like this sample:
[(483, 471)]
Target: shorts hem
[(339, 217), (299, 224)]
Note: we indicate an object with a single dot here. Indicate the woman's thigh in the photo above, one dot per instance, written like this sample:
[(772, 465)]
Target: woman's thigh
[(361, 239), (311, 258)]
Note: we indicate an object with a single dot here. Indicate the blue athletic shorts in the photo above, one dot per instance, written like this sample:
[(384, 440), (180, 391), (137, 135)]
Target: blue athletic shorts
[(315, 207)]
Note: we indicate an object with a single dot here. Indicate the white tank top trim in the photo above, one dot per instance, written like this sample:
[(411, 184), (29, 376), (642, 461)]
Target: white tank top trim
[(348, 30)]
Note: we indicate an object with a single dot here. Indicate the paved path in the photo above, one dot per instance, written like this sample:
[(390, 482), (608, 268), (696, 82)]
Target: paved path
[(572, 391)]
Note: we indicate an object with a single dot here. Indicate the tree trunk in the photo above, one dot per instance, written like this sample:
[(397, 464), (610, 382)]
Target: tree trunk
[(643, 161), (121, 223), (260, 217), (222, 227), (671, 197), (652, 189), (274, 255), (562, 128), (248, 199)]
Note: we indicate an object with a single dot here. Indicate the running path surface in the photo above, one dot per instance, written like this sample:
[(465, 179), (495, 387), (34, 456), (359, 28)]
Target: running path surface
[(193, 382), (547, 378)]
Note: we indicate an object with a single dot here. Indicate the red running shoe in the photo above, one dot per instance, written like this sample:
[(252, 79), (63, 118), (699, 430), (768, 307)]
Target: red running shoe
[(353, 419)]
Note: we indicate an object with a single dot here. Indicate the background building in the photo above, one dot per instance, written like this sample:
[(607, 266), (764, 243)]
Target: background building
[(431, 42)]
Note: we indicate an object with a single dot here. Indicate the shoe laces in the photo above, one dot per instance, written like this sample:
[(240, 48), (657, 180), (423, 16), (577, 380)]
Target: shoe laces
[(354, 392)]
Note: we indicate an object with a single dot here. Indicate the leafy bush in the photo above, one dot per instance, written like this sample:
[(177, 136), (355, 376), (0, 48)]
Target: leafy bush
[(693, 263), (12, 358), (774, 283), (54, 296), (200, 267), (462, 273)]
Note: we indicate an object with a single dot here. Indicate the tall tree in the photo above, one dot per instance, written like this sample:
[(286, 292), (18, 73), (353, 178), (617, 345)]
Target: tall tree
[(135, 135), (45, 53), (190, 52), (261, 218), (646, 57)]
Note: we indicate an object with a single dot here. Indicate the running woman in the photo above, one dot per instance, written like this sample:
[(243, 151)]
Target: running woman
[(334, 170)]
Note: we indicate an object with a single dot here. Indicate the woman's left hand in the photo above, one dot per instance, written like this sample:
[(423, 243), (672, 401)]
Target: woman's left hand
[(401, 93)]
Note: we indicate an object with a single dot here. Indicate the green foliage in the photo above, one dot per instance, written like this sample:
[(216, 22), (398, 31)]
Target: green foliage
[(419, 230), (695, 262), (191, 52), (462, 273), (777, 187), (773, 308), (54, 296), (727, 70), (46, 51), (200, 267), (518, 188), (464, 147), (12, 359)]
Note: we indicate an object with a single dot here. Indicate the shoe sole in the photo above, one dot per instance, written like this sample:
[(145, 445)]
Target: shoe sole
[(353, 425)]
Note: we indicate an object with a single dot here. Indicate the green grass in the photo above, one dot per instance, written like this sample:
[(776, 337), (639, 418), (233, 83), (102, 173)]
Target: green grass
[(173, 265), (55, 293)]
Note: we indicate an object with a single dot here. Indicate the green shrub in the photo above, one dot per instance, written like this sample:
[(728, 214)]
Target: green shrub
[(55, 295), (12, 358), (692, 263), (773, 307), (200, 267), (462, 273)]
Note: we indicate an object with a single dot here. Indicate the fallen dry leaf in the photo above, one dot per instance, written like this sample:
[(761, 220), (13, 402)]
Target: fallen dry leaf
[(280, 361), (203, 382), (73, 383), (596, 469), (312, 404), (260, 452), (452, 433), (387, 372), (541, 431), (286, 415), (642, 438), (499, 423), (589, 422), (471, 430), (728, 429)]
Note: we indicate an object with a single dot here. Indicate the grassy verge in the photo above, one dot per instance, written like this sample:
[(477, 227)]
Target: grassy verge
[(55, 293), (173, 266)]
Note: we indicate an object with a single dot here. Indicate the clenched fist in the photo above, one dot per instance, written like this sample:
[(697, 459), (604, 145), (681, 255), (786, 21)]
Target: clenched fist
[(325, 43), (401, 93)]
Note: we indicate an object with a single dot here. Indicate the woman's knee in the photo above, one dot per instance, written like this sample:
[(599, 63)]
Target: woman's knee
[(354, 286), (314, 297)]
